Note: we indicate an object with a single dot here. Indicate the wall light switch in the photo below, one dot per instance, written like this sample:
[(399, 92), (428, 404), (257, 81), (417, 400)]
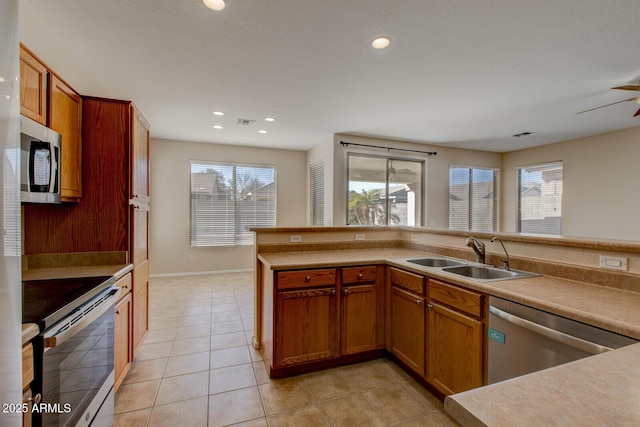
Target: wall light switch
[(295, 239), (613, 263), (415, 237), (360, 236)]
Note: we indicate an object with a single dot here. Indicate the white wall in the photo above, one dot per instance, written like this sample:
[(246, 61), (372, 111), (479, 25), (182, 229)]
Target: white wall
[(170, 184), (600, 184), (437, 172)]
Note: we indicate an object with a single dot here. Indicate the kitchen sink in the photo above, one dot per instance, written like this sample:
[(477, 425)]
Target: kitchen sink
[(436, 262), (487, 273)]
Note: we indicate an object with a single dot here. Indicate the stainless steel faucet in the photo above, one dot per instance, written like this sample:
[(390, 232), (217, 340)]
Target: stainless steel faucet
[(505, 263), (477, 246)]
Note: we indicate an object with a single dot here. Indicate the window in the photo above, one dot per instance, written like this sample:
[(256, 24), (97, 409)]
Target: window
[(473, 200), (226, 200), (384, 190), (317, 193), (540, 199)]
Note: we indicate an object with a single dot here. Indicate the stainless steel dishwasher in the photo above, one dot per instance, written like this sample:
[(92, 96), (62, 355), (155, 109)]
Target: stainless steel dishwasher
[(523, 339)]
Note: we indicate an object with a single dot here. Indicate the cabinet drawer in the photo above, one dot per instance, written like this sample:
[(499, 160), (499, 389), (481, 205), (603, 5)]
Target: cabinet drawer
[(461, 299), (404, 279), (353, 275), (27, 365), (125, 284), (306, 278)]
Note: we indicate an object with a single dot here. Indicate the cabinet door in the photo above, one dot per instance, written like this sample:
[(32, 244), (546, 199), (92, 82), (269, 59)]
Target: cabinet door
[(65, 117), (139, 233), (455, 350), (408, 329), (33, 87), (306, 326), (140, 304), (358, 325), (139, 158), (122, 339)]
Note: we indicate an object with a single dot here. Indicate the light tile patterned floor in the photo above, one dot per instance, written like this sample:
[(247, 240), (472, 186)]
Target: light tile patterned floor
[(196, 368)]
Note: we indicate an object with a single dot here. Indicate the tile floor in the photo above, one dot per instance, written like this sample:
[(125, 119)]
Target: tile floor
[(196, 368)]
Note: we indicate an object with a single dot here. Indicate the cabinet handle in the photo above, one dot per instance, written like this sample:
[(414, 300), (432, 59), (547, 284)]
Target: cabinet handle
[(126, 286), (418, 301), (333, 291), (307, 279), (345, 290), (430, 306), (117, 311), (35, 399), (360, 275)]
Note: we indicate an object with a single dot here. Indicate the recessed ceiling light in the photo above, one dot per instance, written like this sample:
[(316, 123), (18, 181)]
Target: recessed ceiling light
[(380, 42), (218, 113), (262, 131), (217, 127), (1, 79), (269, 119), (214, 4)]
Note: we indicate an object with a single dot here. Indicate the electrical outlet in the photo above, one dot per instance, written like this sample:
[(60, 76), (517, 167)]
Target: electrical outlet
[(360, 236), (614, 263), (415, 237), (295, 239)]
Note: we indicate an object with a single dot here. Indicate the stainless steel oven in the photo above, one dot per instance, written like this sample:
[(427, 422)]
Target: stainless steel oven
[(73, 354)]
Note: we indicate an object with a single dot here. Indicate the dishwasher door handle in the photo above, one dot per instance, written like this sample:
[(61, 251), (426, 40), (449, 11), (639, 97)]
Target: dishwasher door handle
[(552, 334)]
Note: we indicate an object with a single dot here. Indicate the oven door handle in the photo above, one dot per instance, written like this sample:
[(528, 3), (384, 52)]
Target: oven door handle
[(570, 340), (71, 325)]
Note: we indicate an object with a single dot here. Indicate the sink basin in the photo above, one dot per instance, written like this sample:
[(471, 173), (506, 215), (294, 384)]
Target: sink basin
[(487, 273), (436, 262)]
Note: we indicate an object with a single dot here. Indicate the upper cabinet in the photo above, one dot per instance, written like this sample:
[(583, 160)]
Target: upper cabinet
[(139, 158), (47, 99), (33, 87), (65, 117)]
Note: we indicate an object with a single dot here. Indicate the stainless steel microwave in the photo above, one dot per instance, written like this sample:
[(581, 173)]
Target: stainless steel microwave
[(40, 159)]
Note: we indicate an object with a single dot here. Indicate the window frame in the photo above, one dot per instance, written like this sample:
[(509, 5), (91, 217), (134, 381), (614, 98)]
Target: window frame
[(519, 203), (239, 236)]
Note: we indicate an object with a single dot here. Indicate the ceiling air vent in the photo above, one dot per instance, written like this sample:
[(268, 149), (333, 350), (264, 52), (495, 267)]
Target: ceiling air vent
[(245, 122), (518, 135)]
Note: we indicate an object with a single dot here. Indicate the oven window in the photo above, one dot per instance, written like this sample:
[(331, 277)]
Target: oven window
[(75, 371)]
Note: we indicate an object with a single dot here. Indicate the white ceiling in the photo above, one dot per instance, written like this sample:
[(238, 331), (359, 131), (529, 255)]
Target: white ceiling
[(462, 73)]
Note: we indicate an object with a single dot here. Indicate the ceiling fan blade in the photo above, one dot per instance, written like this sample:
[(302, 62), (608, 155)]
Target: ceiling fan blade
[(637, 113), (609, 105), (627, 87)]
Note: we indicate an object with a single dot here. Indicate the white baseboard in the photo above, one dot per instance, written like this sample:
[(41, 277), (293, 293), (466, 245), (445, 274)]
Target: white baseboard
[(202, 273)]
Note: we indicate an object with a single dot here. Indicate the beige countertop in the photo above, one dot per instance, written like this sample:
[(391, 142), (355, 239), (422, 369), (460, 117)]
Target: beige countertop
[(116, 270), (602, 390), (598, 390)]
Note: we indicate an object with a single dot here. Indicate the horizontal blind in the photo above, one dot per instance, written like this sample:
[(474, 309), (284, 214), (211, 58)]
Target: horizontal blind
[(540, 199), (317, 193), (473, 201), (227, 200)]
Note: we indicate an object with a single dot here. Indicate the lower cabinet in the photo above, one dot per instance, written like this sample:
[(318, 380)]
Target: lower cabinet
[(359, 319), (123, 331), (456, 331), (123, 339), (307, 326), (408, 328)]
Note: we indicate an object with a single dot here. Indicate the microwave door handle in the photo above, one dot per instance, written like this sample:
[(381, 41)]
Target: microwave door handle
[(58, 336), (53, 177)]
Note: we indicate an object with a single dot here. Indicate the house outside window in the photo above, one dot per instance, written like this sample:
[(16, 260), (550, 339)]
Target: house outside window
[(384, 190), (540, 198), (473, 199), (227, 200)]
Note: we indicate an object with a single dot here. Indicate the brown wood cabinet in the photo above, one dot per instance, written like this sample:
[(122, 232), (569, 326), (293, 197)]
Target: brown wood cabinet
[(123, 334), (456, 331), (359, 310), (65, 117), (408, 328), (33, 86), (27, 378), (306, 320)]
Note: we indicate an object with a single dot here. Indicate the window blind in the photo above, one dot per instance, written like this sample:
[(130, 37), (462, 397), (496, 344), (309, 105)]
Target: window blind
[(227, 200), (540, 198), (473, 201), (317, 193)]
